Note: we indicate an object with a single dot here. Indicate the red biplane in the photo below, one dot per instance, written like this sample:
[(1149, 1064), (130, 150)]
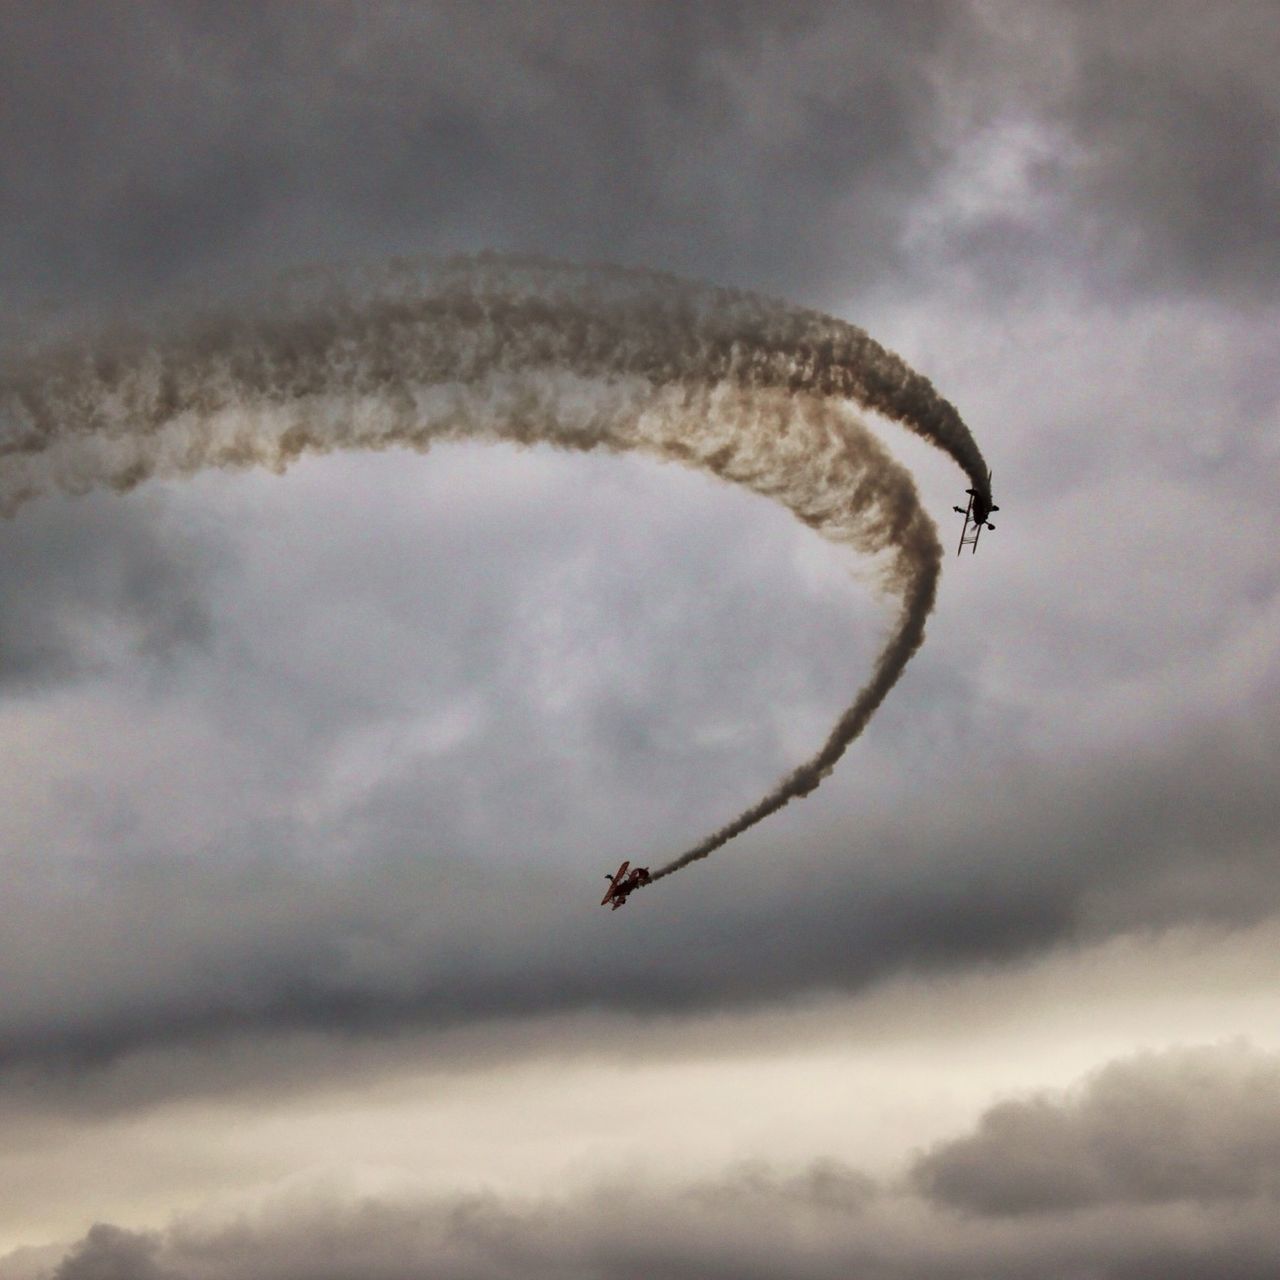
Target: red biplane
[(623, 883)]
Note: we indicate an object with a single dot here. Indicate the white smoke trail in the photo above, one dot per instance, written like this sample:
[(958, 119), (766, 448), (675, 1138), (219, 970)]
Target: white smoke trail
[(752, 390)]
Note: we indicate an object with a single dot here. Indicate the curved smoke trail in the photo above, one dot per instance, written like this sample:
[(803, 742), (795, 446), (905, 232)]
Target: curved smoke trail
[(752, 390)]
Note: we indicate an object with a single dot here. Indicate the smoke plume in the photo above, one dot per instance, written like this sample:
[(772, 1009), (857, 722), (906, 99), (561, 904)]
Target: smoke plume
[(757, 392)]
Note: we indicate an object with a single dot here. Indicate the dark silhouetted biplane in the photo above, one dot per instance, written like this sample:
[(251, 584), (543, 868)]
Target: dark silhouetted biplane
[(975, 517)]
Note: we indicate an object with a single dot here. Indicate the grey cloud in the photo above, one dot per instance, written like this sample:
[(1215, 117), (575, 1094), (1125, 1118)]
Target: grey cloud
[(157, 142), (1128, 148), (92, 586), (235, 945), (818, 1223), (1197, 1125), (1179, 116), (112, 1253), (826, 1185), (791, 149)]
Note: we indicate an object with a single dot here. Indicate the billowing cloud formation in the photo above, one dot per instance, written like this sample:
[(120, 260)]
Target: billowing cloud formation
[(1201, 1126), (1182, 1184), (367, 948)]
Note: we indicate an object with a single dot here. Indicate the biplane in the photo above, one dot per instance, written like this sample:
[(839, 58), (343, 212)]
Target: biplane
[(975, 517), (623, 883)]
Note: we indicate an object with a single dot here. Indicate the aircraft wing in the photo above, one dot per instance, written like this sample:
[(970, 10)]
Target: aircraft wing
[(617, 879)]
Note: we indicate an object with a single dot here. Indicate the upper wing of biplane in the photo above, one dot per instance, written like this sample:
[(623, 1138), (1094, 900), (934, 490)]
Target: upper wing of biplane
[(614, 882)]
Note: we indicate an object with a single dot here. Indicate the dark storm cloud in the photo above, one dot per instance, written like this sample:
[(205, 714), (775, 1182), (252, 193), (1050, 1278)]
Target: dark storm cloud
[(743, 142), (1177, 1212), (791, 148)]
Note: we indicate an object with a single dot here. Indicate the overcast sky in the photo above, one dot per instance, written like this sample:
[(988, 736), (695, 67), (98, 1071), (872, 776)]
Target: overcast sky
[(308, 783)]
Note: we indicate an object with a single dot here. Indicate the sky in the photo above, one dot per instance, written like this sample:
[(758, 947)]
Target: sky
[(309, 782)]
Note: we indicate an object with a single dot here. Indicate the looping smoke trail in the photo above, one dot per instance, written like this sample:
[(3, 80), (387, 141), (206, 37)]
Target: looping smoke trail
[(522, 350)]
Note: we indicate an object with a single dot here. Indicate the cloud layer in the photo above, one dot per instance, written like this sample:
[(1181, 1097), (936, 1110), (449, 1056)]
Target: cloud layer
[(729, 141), (1159, 1165)]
